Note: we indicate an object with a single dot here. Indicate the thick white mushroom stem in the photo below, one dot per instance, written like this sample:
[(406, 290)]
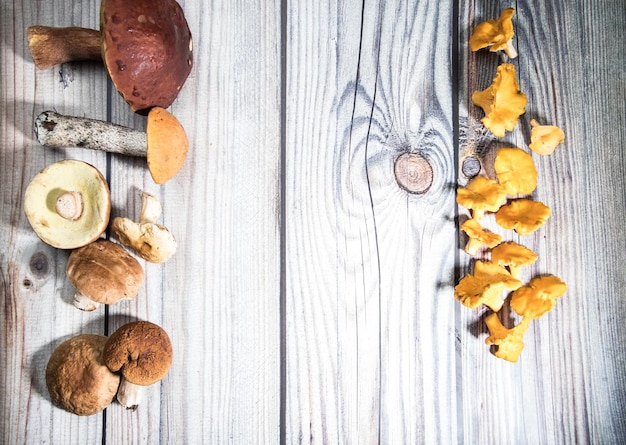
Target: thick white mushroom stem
[(70, 205), (57, 131), (52, 46), (129, 395), (151, 209), (84, 303)]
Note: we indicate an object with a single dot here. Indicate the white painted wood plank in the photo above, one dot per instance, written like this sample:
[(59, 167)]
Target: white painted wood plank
[(568, 386), (370, 319)]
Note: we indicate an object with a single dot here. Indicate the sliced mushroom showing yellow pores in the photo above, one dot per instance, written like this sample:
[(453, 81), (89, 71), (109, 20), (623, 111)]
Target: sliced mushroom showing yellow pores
[(68, 204), (152, 242)]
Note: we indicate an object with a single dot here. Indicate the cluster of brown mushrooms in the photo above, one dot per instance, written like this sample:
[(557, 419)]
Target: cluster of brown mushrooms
[(146, 47)]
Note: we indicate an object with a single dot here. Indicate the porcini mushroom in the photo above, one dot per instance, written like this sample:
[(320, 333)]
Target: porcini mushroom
[(485, 286), (481, 195), (164, 143), (516, 171), (508, 340), (145, 45), (77, 378), (151, 241), (544, 138), (495, 34), (478, 237), (141, 352), (523, 215), (103, 273), (514, 256), (502, 102), (538, 297), (68, 204)]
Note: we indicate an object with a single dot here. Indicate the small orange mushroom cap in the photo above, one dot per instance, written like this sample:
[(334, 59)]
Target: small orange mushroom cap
[(523, 215), (481, 195), (538, 297), (508, 340), (167, 145), (545, 138), (478, 236), (502, 102), (514, 256), (485, 286), (516, 171), (496, 34)]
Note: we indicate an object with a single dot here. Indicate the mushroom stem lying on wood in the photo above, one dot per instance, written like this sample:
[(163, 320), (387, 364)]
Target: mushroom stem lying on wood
[(53, 46), (164, 143), (57, 130)]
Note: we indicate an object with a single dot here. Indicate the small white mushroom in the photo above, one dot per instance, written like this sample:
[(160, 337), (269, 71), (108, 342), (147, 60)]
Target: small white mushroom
[(151, 241)]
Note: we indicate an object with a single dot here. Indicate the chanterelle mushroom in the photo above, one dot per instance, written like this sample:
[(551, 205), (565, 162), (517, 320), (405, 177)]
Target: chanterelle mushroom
[(523, 215), (145, 45), (544, 138), (538, 297), (516, 171), (142, 353), (514, 256), (481, 195), (485, 286), (103, 273), (153, 242), (77, 378), (68, 204), (478, 236), (502, 102), (495, 34), (164, 143), (508, 340)]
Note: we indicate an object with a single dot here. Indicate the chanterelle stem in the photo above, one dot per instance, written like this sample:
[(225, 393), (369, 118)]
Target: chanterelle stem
[(58, 131), (52, 46)]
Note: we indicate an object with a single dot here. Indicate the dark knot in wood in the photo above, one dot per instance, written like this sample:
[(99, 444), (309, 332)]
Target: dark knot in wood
[(413, 173), (39, 265)]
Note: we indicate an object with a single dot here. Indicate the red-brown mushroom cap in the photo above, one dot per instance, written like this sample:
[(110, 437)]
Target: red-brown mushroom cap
[(141, 351), (147, 49)]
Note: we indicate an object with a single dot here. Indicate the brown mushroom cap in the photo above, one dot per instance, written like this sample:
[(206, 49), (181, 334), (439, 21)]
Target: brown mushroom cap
[(77, 378), (147, 49), (68, 178), (105, 272), (141, 351)]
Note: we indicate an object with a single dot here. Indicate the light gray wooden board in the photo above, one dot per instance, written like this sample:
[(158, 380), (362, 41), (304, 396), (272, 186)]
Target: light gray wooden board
[(569, 385), (370, 313), (375, 347)]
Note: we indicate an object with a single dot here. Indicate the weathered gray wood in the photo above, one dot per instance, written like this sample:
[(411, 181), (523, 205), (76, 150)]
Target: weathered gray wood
[(374, 347), (370, 268), (568, 386)]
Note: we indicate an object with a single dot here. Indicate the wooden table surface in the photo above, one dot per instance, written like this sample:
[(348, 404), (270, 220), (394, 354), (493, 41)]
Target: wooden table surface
[(311, 299)]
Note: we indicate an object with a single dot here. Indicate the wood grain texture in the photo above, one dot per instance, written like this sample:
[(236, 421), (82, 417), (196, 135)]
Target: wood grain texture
[(370, 267), (311, 297)]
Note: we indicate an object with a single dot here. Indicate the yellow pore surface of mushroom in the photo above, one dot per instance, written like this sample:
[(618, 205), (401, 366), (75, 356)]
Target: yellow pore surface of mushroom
[(485, 286), (508, 340), (523, 215), (502, 102), (478, 237), (516, 171), (545, 138), (514, 256), (538, 297), (495, 34), (481, 195)]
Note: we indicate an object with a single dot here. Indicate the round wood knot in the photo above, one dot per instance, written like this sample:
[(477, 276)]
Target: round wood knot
[(471, 166), (413, 173), (39, 265)]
